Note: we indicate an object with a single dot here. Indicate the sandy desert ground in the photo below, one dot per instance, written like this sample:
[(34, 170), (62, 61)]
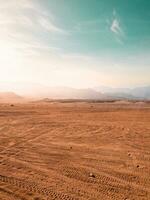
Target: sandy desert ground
[(73, 151)]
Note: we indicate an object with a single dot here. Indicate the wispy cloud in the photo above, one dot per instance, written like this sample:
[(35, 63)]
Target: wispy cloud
[(26, 12), (49, 26), (21, 21), (116, 28)]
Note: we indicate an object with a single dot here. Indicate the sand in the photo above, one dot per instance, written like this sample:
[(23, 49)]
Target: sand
[(74, 151)]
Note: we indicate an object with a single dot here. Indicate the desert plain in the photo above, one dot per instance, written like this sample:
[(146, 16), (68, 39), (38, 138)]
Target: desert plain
[(75, 151)]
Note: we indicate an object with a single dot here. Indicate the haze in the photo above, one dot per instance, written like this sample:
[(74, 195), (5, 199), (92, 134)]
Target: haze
[(75, 44), (74, 99)]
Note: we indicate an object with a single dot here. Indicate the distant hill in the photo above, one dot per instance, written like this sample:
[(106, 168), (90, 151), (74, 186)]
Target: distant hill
[(38, 91), (143, 92), (71, 93), (127, 93), (10, 97)]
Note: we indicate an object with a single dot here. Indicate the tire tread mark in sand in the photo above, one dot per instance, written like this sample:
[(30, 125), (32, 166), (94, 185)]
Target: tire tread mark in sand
[(83, 175), (99, 182), (12, 194), (107, 185), (21, 166), (31, 187), (130, 178)]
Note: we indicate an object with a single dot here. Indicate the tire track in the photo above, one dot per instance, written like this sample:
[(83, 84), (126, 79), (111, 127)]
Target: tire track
[(104, 185), (11, 194), (111, 186), (33, 188)]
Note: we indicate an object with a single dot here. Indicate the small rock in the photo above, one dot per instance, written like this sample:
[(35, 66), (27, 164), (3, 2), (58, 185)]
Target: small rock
[(70, 147), (137, 166), (92, 175)]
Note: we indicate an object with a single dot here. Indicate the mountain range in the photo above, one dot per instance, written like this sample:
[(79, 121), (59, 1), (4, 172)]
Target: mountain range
[(36, 91), (10, 97), (137, 92)]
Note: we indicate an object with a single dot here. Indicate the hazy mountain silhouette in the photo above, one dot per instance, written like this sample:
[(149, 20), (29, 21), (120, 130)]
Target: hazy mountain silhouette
[(69, 93), (137, 92), (10, 97), (39, 91)]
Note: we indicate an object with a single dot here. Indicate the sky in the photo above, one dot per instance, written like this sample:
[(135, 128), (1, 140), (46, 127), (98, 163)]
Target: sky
[(75, 43)]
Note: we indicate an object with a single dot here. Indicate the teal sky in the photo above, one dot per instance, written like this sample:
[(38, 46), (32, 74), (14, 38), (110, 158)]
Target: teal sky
[(89, 23), (77, 43)]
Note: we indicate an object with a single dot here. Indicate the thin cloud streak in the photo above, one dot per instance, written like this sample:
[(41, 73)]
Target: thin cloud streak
[(27, 13), (20, 21), (49, 26), (116, 28)]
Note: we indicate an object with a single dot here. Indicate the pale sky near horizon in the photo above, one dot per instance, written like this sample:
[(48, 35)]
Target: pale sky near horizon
[(75, 43)]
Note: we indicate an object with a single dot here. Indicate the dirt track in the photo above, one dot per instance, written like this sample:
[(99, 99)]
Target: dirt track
[(48, 150)]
